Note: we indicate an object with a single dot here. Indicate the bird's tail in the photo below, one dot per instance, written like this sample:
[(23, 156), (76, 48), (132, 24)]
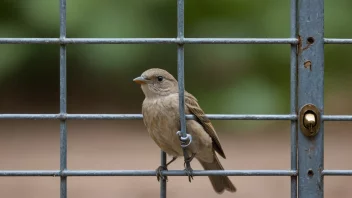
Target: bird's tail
[(220, 183)]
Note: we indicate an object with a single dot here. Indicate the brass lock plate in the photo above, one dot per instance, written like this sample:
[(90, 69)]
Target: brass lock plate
[(309, 119)]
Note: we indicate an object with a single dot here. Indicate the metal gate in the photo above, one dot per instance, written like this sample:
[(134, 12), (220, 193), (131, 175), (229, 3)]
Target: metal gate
[(306, 101)]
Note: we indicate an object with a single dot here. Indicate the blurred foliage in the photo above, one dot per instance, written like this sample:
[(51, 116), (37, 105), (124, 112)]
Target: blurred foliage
[(240, 78)]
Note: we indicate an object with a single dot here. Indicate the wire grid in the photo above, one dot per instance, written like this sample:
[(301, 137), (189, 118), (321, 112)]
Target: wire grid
[(63, 116)]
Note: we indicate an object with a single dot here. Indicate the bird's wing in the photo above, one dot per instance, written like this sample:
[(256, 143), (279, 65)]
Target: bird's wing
[(194, 108)]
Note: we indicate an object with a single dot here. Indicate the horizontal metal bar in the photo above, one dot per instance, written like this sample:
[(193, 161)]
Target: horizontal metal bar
[(168, 173), (148, 41), (55, 173), (189, 117), (337, 117), (140, 116), (163, 41), (337, 172), (337, 41)]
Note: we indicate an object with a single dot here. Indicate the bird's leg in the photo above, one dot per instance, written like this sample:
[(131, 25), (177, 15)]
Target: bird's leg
[(161, 168), (184, 144), (172, 160), (189, 159), (188, 169)]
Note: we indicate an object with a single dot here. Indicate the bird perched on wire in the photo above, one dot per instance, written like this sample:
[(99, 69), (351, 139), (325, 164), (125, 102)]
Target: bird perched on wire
[(161, 117)]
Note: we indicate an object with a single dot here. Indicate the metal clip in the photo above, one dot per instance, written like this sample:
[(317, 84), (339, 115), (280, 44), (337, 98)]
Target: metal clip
[(184, 139)]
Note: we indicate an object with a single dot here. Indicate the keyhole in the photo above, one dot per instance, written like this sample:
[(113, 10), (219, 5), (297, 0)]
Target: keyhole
[(310, 173)]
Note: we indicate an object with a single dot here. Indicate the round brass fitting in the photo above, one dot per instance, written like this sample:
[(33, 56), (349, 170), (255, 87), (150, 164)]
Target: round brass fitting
[(309, 119)]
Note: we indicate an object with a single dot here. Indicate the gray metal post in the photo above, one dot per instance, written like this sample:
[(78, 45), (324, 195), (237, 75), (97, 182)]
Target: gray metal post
[(310, 90), (181, 71), (162, 181), (293, 97), (63, 104)]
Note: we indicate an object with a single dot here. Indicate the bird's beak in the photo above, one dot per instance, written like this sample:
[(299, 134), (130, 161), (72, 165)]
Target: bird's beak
[(140, 80)]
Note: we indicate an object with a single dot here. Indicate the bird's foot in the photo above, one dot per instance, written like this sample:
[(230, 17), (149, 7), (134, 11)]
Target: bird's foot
[(184, 139), (189, 172), (159, 175)]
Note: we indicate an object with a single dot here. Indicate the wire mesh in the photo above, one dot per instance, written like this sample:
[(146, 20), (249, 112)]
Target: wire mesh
[(180, 41)]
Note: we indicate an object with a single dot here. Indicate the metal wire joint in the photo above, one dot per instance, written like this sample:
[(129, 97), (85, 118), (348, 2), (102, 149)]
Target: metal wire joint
[(184, 139)]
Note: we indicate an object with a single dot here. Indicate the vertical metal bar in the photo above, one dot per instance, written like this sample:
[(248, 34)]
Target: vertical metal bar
[(311, 90), (181, 71), (63, 96), (163, 181), (293, 97)]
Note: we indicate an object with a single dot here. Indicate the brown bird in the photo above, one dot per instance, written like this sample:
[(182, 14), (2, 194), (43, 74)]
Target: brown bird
[(162, 120)]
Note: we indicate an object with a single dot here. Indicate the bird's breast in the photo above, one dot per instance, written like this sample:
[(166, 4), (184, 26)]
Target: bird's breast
[(161, 115), (161, 118)]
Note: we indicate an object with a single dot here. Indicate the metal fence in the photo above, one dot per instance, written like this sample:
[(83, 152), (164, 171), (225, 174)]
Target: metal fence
[(306, 90)]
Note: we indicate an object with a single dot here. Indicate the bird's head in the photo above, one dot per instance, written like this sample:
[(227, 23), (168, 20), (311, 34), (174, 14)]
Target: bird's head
[(157, 82)]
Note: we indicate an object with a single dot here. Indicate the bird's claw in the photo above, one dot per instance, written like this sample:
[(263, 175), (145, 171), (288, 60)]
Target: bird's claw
[(184, 139), (189, 172), (159, 175)]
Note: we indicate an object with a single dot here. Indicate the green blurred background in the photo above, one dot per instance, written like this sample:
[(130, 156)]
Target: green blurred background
[(244, 78), (230, 79)]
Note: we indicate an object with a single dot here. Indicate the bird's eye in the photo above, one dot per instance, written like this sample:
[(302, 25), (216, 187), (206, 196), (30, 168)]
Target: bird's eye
[(160, 78)]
